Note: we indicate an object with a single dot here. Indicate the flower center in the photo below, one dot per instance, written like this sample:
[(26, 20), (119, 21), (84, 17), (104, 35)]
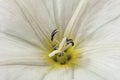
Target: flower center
[(64, 52), (63, 46), (60, 53)]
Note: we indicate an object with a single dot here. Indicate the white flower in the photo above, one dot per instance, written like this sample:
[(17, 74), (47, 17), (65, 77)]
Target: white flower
[(59, 39)]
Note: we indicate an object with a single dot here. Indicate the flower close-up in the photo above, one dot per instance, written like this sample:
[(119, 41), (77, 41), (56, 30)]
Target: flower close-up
[(59, 39)]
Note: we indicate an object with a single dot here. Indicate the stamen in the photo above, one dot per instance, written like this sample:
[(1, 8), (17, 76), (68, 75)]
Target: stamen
[(62, 44), (53, 53), (55, 47), (66, 47), (70, 41), (53, 34), (62, 50)]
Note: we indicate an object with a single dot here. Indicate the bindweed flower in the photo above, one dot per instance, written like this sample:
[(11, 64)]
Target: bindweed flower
[(59, 39)]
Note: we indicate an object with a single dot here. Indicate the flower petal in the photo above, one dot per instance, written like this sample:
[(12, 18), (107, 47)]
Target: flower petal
[(65, 74), (75, 17), (27, 19), (84, 74), (61, 12), (99, 22), (101, 39), (22, 72), (107, 35), (13, 52), (103, 62)]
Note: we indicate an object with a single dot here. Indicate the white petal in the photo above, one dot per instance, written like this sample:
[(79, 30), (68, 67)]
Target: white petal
[(69, 9), (22, 72), (107, 35), (13, 52), (100, 22), (75, 17), (61, 12), (103, 62), (27, 19), (102, 47), (64, 74), (83, 74)]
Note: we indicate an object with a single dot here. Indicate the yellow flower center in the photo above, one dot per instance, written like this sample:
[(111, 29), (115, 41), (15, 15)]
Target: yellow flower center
[(63, 55)]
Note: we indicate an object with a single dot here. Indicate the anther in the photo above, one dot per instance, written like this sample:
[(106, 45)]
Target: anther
[(68, 41), (55, 47), (53, 34)]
